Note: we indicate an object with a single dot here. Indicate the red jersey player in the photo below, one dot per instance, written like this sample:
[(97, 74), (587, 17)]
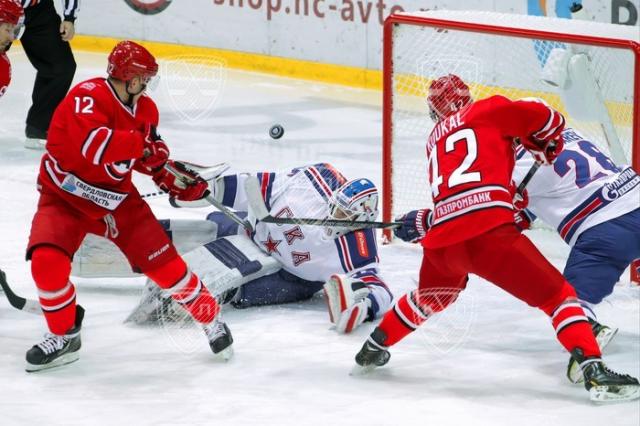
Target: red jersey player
[(100, 132), (471, 228), (11, 18)]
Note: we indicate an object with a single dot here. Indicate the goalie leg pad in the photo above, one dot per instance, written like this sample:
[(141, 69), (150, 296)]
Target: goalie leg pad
[(100, 258), (230, 262), (222, 265)]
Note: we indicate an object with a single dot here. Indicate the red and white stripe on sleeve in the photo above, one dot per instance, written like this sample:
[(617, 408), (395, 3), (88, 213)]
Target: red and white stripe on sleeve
[(95, 145)]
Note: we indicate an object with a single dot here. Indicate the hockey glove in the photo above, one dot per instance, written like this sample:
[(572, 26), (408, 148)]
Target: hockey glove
[(156, 152), (186, 187), (523, 219), (415, 225), (347, 302), (520, 199)]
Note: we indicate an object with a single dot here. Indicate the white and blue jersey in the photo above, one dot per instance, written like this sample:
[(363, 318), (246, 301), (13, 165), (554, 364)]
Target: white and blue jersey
[(304, 250), (595, 207), (583, 188)]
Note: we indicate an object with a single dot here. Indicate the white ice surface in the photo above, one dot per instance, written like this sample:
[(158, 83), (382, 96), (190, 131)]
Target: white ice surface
[(489, 360)]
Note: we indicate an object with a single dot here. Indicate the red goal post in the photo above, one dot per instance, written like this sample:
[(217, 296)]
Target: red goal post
[(513, 55)]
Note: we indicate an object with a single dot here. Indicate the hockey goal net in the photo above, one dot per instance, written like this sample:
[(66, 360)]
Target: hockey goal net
[(590, 71)]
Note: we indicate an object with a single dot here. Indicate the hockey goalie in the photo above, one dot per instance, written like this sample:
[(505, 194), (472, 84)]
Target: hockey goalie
[(273, 263)]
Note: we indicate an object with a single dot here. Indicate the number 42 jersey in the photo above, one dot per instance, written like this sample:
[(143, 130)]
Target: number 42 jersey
[(471, 158)]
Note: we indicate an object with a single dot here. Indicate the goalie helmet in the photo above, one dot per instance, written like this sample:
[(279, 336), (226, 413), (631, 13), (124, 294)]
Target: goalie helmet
[(128, 60), (11, 12), (447, 95), (356, 200)]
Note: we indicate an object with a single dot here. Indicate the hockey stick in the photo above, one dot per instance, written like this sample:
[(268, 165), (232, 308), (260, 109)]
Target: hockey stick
[(257, 205), (527, 178), (180, 175), (18, 302)]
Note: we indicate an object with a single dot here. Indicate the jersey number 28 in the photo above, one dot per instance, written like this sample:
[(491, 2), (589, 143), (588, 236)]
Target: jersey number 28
[(460, 175)]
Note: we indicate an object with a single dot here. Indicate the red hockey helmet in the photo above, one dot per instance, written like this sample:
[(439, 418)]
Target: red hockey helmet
[(128, 60), (11, 12), (447, 95)]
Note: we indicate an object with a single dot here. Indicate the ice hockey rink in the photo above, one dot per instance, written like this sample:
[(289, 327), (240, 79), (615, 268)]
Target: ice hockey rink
[(489, 360)]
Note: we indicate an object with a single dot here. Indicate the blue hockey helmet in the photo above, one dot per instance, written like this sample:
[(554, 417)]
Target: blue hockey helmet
[(355, 200)]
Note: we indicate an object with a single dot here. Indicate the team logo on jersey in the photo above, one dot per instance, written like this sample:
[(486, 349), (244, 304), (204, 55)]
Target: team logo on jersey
[(300, 257), (69, 183), (293, 234), (361, 243), (148, 7), (194, 84), (89, 85), (271, 245)]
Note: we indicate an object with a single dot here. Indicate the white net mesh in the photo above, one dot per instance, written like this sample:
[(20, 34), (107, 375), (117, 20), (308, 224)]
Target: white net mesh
[(591, 85)]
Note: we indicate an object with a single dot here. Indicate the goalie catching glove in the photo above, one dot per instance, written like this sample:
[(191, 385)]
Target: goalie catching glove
[(415, 225), (180, 182), (348, 302)]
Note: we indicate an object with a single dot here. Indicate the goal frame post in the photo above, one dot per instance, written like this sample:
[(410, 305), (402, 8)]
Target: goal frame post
[(387, 89)]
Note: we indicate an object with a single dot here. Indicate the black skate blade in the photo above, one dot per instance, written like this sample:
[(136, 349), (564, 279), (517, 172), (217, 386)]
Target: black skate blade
[(606, 394), (65, 359)]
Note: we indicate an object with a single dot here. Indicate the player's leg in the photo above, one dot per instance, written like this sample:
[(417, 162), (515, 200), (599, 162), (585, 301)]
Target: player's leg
[(224, 266), (442, 278), (142, 239), (53, 59), (56, 233), (515, 265)]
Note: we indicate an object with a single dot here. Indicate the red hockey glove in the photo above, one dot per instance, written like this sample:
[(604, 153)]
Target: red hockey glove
[(156, 152), (520, 200), (415, 225), (523, 219), (544, 151), (187, 187)]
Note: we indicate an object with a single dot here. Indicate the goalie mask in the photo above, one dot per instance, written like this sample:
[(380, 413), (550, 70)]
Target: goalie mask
[(447, 95), (356, 200)]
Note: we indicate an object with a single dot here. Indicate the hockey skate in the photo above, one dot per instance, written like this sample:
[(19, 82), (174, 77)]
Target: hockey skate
[(56, 350), (603, 335), (603, 384), (372, 355), (220, 339)]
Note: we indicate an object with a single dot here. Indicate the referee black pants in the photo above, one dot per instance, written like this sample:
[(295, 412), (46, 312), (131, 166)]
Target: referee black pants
[(51, 57)]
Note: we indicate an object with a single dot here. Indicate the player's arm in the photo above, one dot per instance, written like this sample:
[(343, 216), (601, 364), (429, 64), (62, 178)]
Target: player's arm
[(89, 130), (537, 126)]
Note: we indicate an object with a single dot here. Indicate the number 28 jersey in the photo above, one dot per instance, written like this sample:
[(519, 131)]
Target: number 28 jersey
[(471, 157)]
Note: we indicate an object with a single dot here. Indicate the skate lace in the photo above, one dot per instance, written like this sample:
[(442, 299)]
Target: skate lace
[(215, 329), (52, 343), (613, 373)]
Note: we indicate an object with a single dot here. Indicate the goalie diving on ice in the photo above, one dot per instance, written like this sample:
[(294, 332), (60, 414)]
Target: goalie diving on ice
[(268, 263)]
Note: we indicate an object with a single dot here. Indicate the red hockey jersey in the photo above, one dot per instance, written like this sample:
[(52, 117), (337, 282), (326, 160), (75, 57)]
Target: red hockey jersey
[(92, 146), (471, 158), (5, 73)]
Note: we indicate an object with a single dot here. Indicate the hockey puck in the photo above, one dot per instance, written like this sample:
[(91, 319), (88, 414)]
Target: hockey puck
[(276, 131)]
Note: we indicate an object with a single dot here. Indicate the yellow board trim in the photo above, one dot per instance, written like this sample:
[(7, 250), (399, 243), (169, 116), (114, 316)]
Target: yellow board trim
[(285, 67)]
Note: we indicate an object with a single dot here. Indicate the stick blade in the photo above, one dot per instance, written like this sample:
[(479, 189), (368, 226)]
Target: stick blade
[(254, 197)]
